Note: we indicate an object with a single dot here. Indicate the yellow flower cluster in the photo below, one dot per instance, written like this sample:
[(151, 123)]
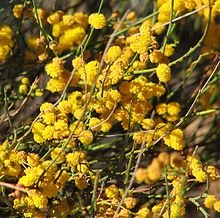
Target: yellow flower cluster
[(6, 42), (54, 122), (9, 161), (141, 42), (211, 202), (170, 111), (109, 90), (163, 72), (18, 10), (59, 75), (196, 168), (113, 195), (48, 186), (180, 6), (69, 29)]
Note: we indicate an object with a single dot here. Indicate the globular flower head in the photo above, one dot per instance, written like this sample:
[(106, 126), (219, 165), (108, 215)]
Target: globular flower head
[(96, 20), (163, 72)]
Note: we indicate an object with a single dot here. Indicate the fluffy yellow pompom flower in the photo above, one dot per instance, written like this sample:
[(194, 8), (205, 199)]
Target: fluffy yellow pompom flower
[(130, 202), (112, 53), (18, 10), (40, 201), (173, 108), (163, 72), (143, 212), (94, 123), (25, 81), (23, 89), (161, 108), (175, 140), (96, 20), (77, 63), (209, 201), (141, 175), (139, 43), (211, 170), (55, 68), (169, 50), (55, 17), (64, 107), (217, 206), (86, 137), (112, 191)]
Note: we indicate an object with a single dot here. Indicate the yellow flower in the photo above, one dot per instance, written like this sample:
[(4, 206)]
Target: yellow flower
[(55, 17), (61, 129), (173, 108), (78, 63), (161, 108), (33, 159), (169, 50), (156, 56), (86, 137), (48, 117), (96, 20), (23, 89), (68, 20), (175, 140), (18, 10), (163, 72), (55, 68), (94, 121), (211, 170), (37, 128), (130, 202), (217, 206), (143, 213), (210, 201), (46, 107), (92, 68), (112, 191), (81, 182), (139, 43), (73, 159), (78, 113), (49, 189), (64, 107), (163, 157), (25, 80), (56, 152), (112, 53), (40, 200), (38, 92)]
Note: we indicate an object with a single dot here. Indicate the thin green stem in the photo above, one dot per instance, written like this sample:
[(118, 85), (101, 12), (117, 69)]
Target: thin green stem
[(136, 23), (169, 27)]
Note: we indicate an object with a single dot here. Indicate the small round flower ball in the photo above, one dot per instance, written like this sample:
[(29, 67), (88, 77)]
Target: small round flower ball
[(86, 137), (163, 72), (173, 108), (23, 89), (217, 206), (169, 50), (112, 53), (112, 191), (210, 201), (18, 10), (96, 20), (25, 81)]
